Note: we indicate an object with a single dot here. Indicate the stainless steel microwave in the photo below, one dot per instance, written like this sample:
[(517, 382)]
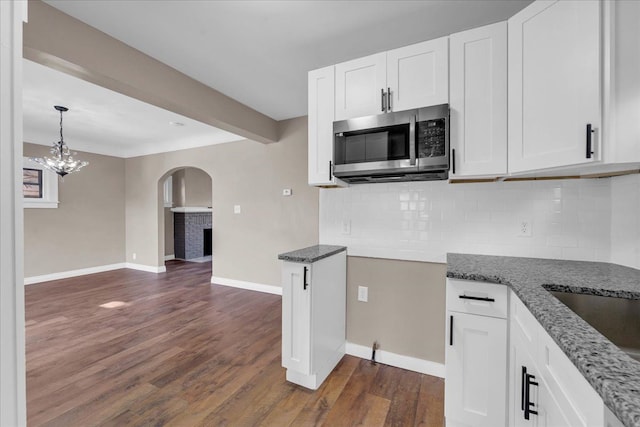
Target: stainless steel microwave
[(411, 145)]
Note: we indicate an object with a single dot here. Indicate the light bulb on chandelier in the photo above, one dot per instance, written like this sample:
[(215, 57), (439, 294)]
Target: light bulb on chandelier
[(62, 161)]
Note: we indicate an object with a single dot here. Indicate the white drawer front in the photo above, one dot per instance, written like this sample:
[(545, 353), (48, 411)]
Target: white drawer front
[(485, 299)]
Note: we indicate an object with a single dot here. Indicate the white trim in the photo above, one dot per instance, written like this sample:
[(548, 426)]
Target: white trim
[(398, 360), (169, 257), (269, 289), (192, 209), (72, 273), (147, 268)]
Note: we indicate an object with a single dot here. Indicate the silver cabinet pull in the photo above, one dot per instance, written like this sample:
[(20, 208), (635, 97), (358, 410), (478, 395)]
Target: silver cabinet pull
[(383, 105), (388, 99)]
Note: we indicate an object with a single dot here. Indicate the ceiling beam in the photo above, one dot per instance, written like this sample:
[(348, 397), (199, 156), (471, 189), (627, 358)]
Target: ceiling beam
[(59, 41)]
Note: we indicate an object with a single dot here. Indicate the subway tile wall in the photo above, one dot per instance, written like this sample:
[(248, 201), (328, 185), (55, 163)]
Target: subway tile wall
[(422, 221), (625, 220)]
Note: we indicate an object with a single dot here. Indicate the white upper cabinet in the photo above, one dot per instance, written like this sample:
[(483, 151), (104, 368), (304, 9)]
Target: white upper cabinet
[(418, 75), (409, 77), (361, 85), (321, 116), (554, 85), (478, 101)]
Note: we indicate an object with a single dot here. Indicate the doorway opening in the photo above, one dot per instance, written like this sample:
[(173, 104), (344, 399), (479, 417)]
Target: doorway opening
[(188, 217)]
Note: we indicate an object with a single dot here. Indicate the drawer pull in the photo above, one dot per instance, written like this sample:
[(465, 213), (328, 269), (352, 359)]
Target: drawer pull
[(477, 298)]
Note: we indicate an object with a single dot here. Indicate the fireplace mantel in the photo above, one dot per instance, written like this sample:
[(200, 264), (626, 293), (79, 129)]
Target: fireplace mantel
[(191, 209)]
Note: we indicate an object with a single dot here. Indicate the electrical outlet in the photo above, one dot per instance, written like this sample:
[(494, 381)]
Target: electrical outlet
[(524, 228), (363, 293), (134, 256), (286, 191), (346, 226), (236, 209)]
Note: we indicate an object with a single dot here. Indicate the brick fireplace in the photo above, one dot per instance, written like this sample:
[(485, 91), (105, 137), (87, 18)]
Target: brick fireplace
[(190, 229)]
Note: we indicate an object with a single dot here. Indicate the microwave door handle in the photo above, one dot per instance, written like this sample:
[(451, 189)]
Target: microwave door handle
[(412, 141)]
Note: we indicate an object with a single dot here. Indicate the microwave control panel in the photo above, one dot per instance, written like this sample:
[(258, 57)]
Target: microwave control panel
[(431, 138)]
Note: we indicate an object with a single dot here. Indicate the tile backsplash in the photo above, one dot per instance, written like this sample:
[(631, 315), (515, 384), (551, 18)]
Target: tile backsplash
[(625, 220), (422, 221)]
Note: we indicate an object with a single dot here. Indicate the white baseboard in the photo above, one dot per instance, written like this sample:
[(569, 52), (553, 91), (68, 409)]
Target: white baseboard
[(72, 273), (397, 360), (269, 289), (147, 268), (169, 257)]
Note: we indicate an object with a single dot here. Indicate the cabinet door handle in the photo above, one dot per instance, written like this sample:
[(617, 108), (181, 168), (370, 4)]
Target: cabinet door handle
[(304, 279), (476, 298), (330, 167), (450, 330), (388, 99), (453, 160), (589, 133), (522, 381), (383, 105), (527, 395)]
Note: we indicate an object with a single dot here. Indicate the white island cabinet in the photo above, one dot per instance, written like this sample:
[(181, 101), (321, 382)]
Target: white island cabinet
[(313, 312)]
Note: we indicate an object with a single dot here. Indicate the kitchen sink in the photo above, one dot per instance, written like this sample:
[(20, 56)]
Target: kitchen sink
[(618, 319)]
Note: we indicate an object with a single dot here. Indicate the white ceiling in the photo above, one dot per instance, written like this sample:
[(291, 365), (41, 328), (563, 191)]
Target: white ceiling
[(259, 52), (102, 121)]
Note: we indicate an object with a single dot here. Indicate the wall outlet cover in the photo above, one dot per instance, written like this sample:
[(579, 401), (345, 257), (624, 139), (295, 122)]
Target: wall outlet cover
[(524, 228), (346, 226), (286, 192), (236, 209)]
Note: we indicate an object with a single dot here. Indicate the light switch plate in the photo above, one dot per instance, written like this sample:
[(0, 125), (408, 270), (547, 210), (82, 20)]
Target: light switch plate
[(363, 293), (236, 209)]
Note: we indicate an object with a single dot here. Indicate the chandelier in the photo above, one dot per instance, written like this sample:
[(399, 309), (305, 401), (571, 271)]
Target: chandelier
[(62, 161)]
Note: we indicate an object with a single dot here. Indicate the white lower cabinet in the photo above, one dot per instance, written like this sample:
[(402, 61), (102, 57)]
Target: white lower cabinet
[(313, 318), (547, 390), (519, 378), (476, 354)]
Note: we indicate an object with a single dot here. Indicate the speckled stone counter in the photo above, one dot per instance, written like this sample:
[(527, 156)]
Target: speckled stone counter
[(312, 253), (611, 372)]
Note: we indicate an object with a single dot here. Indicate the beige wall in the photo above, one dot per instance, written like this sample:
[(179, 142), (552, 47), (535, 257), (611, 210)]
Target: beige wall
[(197, 188), (88, 227), (406, 308), (191, 187), (168, 232), (245, 173)]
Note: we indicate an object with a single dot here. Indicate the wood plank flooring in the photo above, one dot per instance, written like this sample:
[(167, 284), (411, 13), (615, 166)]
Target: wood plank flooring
[(175, 350)]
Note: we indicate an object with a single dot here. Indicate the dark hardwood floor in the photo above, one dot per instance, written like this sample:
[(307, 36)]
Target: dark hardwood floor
[(128, 348)]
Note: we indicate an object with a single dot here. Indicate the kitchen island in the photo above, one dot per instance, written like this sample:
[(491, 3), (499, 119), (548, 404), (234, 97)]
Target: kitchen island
[(612, 373)]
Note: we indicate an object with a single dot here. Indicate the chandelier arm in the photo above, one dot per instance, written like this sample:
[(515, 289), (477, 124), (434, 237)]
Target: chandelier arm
[(61, 137)]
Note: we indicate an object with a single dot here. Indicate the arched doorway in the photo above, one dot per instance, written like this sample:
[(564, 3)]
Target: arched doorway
[(185, 216)]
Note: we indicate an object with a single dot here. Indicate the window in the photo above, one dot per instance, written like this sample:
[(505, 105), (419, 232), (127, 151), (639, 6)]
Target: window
[(31, 183), (39, 186)]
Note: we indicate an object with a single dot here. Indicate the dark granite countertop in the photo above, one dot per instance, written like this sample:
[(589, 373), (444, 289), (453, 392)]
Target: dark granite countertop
[(611, 372), (312, 253)]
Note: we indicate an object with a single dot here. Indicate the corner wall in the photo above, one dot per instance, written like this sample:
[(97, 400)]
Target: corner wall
[(87, 229), (405, 311), (625, 220)]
